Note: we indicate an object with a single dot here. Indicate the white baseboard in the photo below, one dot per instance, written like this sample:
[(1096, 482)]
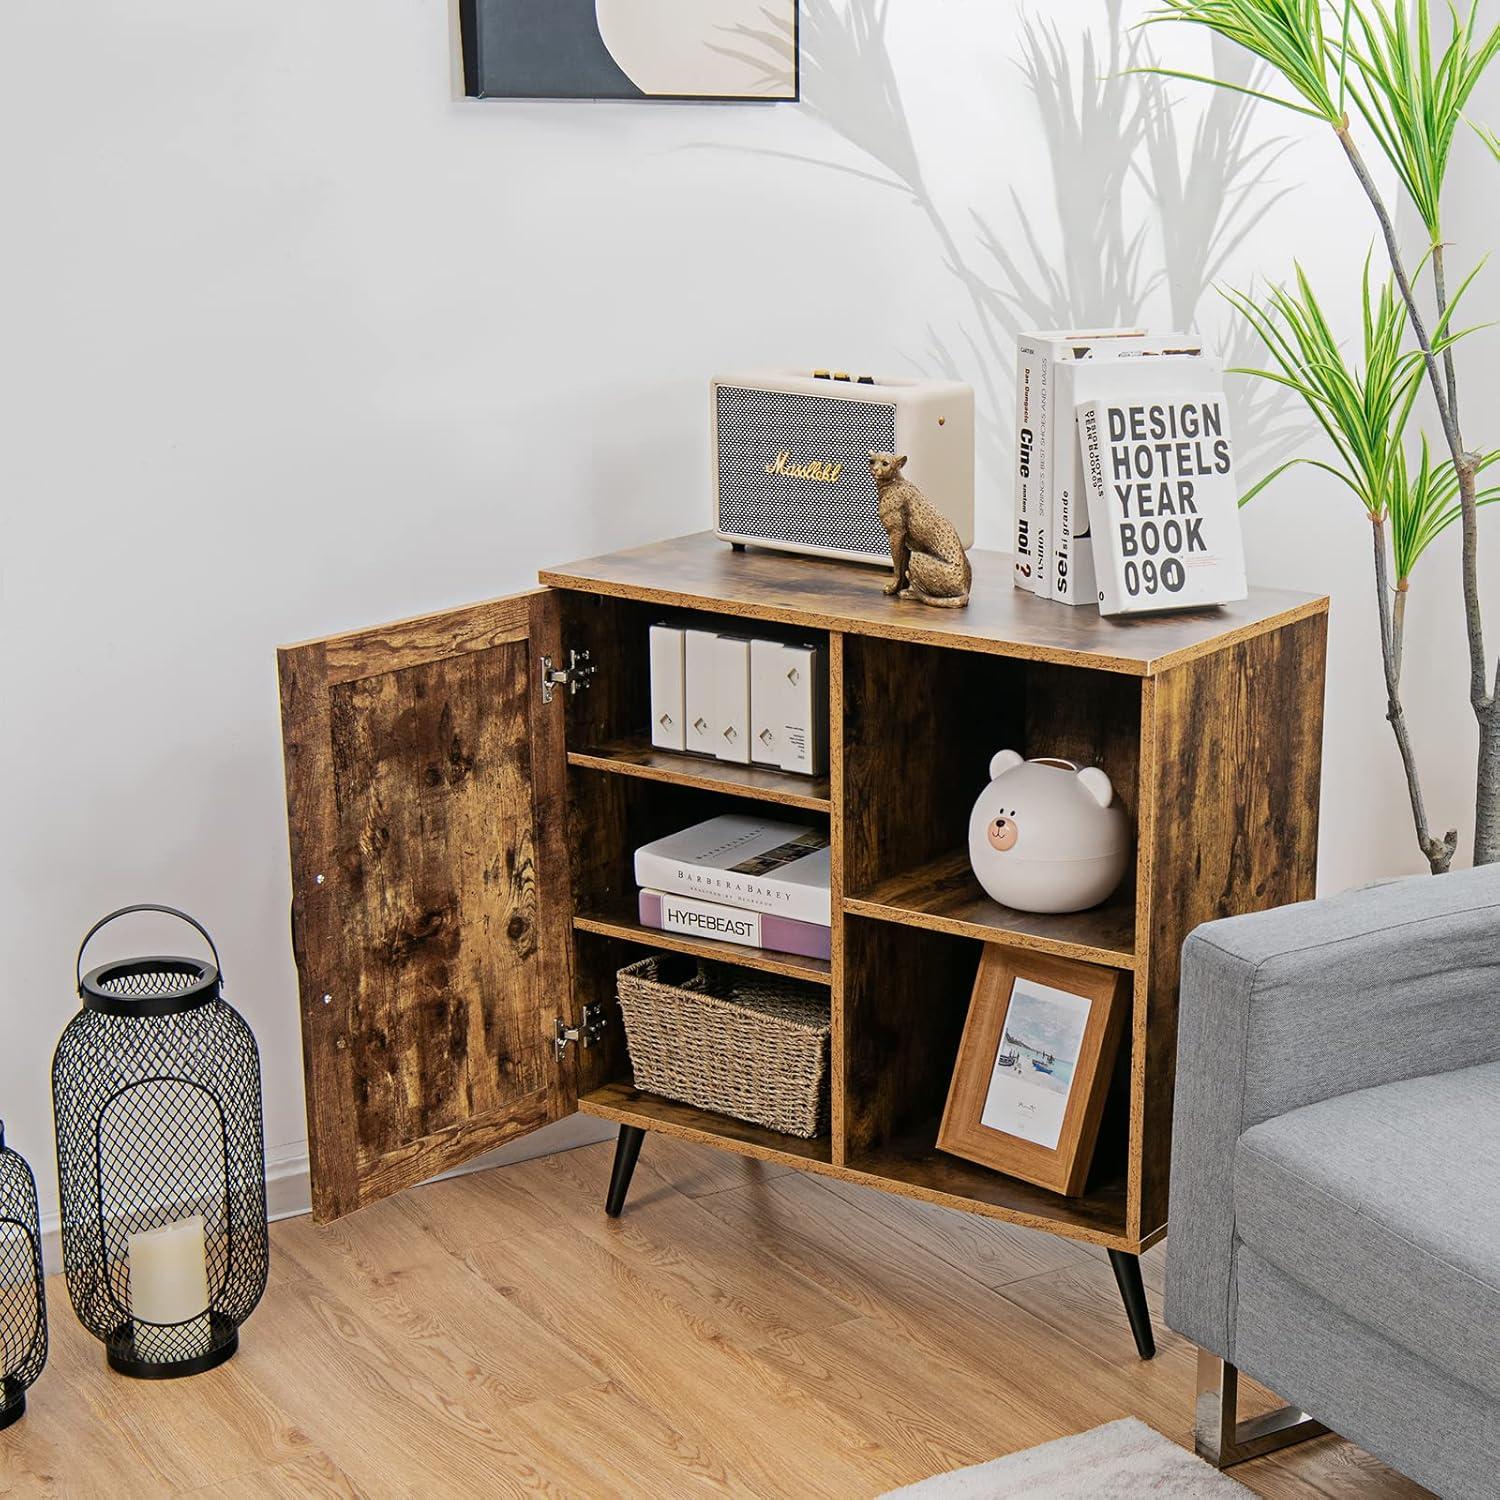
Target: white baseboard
[(289, 1188)]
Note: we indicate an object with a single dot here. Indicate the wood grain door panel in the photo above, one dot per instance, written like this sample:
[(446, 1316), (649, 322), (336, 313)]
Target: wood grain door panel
[(424, 787)]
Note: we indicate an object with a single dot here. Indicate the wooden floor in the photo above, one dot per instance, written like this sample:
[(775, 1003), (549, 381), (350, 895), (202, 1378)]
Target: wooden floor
[(741, 1330)]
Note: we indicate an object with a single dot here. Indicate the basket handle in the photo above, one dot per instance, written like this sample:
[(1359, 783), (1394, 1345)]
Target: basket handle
[(125, 911)]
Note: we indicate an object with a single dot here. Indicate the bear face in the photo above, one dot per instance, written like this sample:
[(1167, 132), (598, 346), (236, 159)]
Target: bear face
[(1004, 831), (1046, 836)]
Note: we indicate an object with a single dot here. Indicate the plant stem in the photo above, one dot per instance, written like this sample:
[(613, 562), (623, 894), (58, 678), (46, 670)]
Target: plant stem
[(1437, 852), (1444, 390), (1440, 292), (1398, 625), (1487, 777), (1487, 790), (1398, 269)]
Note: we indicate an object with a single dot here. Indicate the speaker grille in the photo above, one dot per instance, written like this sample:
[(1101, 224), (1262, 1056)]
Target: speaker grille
[(756, 426)]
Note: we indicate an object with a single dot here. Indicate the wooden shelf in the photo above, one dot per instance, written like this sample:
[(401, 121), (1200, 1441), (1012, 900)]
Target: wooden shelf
[(910, 1165), (625, 924), (943, 896), (912, 1162), (634, 755), (624, 1102)]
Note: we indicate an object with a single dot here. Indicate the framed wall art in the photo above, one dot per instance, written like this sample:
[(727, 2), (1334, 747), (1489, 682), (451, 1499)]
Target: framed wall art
[(1034, 1067), (726, 50)]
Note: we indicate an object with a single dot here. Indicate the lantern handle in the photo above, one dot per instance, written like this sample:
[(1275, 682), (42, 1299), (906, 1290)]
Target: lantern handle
[(125, 911)]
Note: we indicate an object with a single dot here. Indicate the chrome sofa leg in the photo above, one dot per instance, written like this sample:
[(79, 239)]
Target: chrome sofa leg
[(1219, 1435)]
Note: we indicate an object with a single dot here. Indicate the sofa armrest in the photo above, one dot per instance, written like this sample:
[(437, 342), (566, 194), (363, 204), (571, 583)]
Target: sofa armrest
[(1283, 1008)]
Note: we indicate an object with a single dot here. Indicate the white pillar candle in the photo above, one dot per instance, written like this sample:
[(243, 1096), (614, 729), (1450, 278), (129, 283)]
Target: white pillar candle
[(169, 1284)]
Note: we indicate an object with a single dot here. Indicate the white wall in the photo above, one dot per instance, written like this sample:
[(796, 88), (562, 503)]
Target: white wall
[(293, 341)]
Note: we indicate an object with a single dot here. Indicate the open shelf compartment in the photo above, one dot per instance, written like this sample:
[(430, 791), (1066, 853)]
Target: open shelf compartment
[(606, 1083), (920, 726), (613, 816), (609, 727), (906, 996)]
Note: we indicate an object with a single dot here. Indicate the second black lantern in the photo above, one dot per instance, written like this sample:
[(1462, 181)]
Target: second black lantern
[(23, 1300)]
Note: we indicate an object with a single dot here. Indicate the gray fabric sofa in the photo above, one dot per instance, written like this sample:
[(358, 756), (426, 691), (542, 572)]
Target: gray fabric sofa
[(1335, 1222)]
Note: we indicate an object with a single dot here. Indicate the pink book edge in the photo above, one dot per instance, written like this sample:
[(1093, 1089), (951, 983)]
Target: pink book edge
[(779, 934)]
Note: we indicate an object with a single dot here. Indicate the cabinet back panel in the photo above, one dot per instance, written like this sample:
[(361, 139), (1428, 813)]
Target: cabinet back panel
[(617, 701), (596, 961), (919, 728), (906, 993)]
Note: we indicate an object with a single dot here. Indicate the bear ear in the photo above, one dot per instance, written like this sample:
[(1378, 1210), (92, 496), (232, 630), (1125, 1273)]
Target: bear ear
[(1004, 760), (873, 453), (900, 460), (1098, 785)]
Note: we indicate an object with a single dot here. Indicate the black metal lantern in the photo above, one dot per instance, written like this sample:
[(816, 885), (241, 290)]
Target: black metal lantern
[(23, 1296), (161, 1161)]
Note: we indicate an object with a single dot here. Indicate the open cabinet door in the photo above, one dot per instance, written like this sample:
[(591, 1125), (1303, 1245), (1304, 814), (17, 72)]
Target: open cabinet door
[(430, 905)]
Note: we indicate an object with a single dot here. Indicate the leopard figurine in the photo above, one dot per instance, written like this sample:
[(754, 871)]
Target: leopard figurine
[(926, 554)]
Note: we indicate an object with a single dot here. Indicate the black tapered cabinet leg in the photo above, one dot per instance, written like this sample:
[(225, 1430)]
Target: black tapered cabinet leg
[(627, 1150), (1127, 1270)]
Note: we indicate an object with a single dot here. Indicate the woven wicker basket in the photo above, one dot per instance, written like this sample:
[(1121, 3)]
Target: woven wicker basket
[(718, 1038)]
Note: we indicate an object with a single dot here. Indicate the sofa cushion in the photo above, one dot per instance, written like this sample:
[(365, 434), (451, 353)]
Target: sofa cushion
[(1386, 1202)]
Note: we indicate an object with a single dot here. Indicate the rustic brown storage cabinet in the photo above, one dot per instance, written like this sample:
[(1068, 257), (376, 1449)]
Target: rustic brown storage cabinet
[(466, 791)]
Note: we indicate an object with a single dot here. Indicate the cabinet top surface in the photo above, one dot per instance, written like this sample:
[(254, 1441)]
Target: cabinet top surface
[(701, 572)]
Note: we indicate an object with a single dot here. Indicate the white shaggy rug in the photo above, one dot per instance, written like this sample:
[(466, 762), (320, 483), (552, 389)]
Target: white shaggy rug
[(1119, 1461)]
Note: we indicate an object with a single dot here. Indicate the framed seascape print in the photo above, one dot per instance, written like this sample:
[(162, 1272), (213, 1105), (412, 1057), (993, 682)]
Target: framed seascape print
[(727, 50), (1034, 1067)]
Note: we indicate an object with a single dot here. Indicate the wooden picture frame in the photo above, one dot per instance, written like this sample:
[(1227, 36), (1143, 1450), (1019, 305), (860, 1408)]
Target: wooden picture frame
[(1018, 1102)]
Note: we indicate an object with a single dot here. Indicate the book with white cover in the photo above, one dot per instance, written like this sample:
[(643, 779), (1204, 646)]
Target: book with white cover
[(1037, 356), (760, 864), (766, 679), (1032, 369), (1070, 565), (803, 696), (1162, 496), (732, 697), (668, 720), (701, 690)]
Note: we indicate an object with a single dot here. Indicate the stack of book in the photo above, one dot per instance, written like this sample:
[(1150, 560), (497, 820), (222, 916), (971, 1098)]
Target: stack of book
[(753, 881), (1058, 372)]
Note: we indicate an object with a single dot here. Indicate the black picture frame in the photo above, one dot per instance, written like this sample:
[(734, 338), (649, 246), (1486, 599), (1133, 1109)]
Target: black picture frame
[(581, 76)]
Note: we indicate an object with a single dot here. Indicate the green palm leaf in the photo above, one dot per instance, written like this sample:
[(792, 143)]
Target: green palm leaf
[(1412, 95), (1288, 35), (1364, 408)]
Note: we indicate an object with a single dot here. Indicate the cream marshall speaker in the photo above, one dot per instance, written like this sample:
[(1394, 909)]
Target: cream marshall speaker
[(791, 457)]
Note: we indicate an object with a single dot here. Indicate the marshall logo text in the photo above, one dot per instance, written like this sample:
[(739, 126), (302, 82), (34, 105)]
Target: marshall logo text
[(827, 473)]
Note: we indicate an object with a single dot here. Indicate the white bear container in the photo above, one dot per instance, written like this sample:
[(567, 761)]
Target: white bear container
[(1047, 836)]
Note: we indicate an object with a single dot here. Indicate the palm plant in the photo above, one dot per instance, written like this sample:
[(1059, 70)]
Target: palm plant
[(1410, 90)]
